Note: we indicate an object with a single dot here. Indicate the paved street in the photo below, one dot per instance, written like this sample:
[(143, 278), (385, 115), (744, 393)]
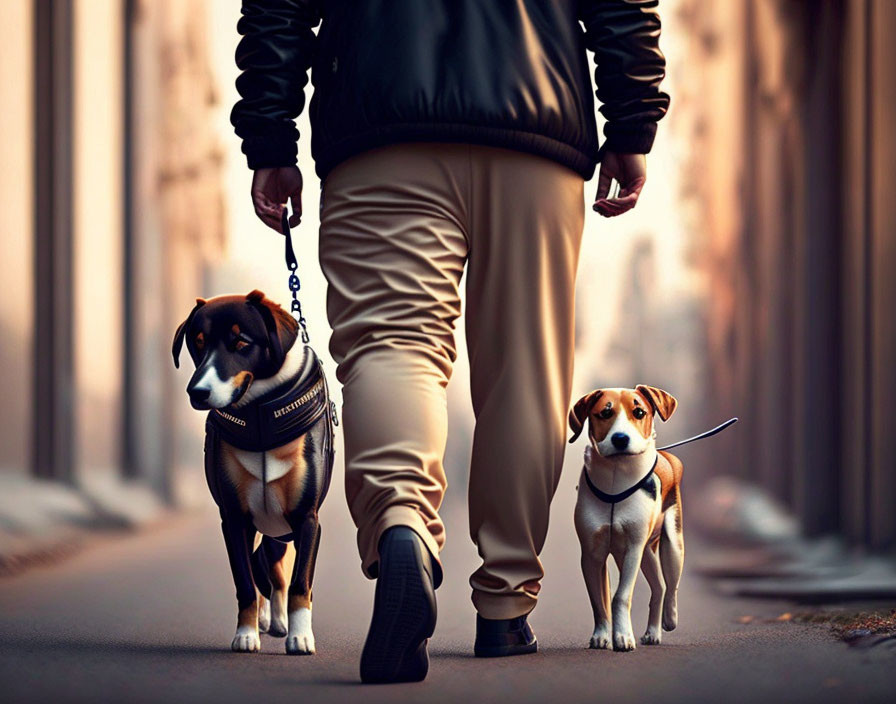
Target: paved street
[(150, 618)]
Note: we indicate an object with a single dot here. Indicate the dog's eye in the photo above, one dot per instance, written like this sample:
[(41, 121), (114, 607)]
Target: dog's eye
[(200, 341), (240, 342), (639, 413), (606, 413)]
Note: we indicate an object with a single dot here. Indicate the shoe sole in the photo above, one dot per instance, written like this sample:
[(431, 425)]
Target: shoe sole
[(505, 650), (404, 617)]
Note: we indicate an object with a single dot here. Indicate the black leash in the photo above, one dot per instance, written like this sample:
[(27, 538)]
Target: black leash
[(717, 429)]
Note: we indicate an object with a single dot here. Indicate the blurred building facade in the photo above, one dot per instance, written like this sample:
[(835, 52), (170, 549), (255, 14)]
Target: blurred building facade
[(112, 210), (798, 239)]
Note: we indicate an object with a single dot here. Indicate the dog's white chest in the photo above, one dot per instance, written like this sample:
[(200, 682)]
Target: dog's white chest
[(619, 524), (265, 497), (264, 466), (640, 508), (267, 513)]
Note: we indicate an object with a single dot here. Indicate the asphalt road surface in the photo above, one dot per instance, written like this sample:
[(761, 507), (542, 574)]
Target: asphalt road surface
[(150, 617)]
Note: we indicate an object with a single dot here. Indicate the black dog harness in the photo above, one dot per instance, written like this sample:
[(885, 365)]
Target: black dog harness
[(623, 495), (279, 416)]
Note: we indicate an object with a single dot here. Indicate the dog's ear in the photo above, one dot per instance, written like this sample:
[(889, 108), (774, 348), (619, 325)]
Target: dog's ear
[(281, 327), (580, 412), (663, 402), (182, 331)]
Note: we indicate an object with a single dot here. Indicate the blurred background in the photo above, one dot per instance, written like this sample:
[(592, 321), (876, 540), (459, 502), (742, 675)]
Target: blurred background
[(755, 277)]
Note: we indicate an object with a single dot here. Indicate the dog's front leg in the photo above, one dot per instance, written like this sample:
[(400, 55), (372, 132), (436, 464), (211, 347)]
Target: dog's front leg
[(595, 551), (300, 638), (597, 580), (623, 636), (593, 531), (238, 537)]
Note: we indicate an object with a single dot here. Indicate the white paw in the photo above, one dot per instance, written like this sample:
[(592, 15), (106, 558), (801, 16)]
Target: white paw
[(246, 640), (300, 640), (300, 645), (600, 640), (651, 637), (278, 626), (264, 614), (623, 641)]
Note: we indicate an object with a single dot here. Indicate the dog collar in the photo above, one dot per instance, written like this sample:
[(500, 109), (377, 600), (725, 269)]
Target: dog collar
[(616, 498), (279, 416)]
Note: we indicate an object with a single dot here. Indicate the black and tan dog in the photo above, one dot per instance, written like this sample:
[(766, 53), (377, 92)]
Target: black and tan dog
[(268, 455)]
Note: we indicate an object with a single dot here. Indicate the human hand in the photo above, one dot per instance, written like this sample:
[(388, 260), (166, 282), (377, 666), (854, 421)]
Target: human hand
[(270, 190), (630, 171)]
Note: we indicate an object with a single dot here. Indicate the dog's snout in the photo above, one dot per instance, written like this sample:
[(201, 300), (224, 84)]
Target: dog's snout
[(199, 395), (619, 440)]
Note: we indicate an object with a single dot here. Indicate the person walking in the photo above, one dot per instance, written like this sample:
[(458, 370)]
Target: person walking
[(449, 134)]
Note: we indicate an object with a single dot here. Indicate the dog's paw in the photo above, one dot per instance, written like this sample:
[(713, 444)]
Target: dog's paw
[(600, 640), (246, 640), (277, 628), (651, 637), (264, 615), (670, 616), (623, 642), (300, 645), (300, 640)]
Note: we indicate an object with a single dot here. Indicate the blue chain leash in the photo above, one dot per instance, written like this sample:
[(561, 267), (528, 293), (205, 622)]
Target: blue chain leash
[(294, 286), (294, 283)]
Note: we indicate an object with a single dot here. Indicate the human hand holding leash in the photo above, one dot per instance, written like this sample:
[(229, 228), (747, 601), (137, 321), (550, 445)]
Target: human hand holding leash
[(271, 188), (630, 171)]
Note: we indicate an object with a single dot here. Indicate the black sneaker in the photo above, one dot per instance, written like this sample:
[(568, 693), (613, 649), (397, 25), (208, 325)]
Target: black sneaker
[(506, 636), (404, 610)]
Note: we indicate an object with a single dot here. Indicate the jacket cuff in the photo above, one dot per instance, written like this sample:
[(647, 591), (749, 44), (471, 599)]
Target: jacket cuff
[(270, 152), (628, 137)]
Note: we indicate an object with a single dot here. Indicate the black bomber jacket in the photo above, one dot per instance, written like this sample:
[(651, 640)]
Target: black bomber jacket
[(509, 73)]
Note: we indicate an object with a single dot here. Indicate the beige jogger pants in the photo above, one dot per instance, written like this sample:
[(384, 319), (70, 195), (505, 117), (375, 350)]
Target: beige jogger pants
[(398, 224)]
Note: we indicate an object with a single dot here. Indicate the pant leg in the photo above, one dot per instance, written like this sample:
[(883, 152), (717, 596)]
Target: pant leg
[(525, 234), (393, 248)]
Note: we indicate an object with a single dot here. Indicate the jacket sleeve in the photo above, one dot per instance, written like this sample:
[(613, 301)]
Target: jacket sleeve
[(624, 36), (274, 55)]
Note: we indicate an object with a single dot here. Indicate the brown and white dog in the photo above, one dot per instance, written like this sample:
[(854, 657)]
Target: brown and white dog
[(268, 455), (629, 506)]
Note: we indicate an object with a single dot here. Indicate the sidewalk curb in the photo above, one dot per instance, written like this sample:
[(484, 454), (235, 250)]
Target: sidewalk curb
[(43, 522)]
